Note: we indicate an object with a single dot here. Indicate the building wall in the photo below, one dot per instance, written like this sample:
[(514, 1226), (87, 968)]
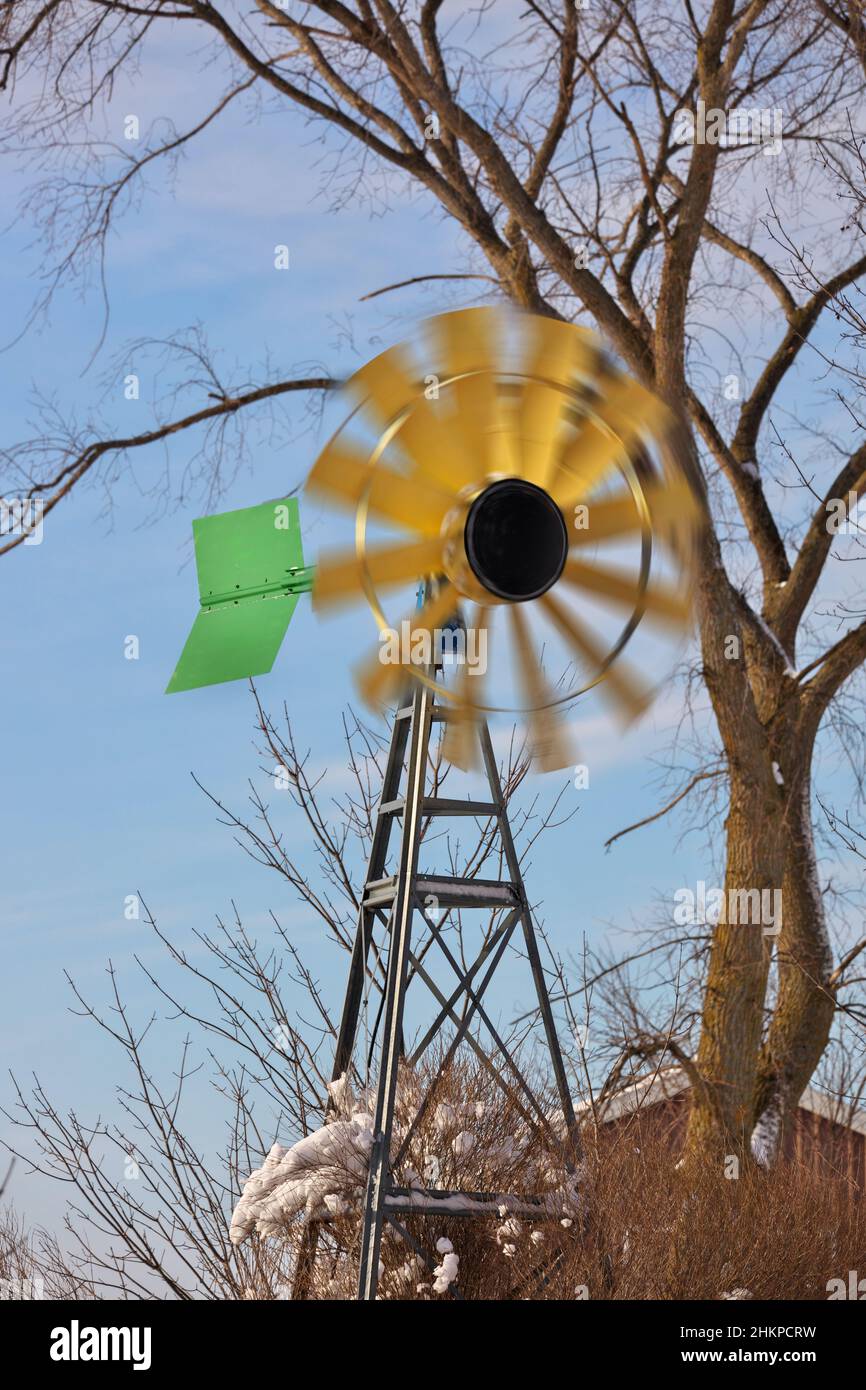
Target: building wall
[(817, 1143)]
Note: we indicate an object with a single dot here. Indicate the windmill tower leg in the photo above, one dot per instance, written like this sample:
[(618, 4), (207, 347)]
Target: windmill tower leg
[(353, 1000), (513, 863), (395, 993)]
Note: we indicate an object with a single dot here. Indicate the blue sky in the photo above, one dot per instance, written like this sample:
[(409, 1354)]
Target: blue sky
[(98, 800)]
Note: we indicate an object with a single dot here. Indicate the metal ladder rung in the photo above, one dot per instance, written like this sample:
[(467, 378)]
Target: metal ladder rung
[(449, 892), (380, 891), (437, 714), (467, 892), (439, 1202), (441, 806)]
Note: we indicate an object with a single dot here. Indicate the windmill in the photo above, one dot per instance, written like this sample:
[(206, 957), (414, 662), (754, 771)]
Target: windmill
[(483, 465)]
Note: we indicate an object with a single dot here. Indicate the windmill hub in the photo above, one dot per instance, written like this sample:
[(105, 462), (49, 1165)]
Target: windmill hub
[(515, 540)]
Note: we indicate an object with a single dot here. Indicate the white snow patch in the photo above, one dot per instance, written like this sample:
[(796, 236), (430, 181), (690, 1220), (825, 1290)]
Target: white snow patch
[(319, 1174), (322, 1165), (810, 859), (463, 1144), (765, 1136), (508, 1228), (444, 1117), (407, 1272), (339, 1091), (777, 773), (774, 641), (445, 1274)]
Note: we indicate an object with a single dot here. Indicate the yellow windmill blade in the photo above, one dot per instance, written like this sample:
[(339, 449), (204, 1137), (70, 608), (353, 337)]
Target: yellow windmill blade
[(620, 682), (557, 353), (678, 514), (627, 413), (632, 410), (392, 393), (582, 464), (384, 674), (659, 601), (460, 744), (340, 575), (342, 472), (467, 346), (548, 743), (671, 507)]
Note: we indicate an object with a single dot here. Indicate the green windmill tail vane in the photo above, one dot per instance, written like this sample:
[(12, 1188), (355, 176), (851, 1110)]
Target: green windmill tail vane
[(250, 574)]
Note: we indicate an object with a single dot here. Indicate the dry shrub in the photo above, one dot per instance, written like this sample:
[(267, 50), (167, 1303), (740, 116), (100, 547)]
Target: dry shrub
[(667, 1230)]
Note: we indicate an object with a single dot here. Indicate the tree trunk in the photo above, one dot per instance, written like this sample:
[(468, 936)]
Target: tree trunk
[(754, 1087), (745, 676), (737, 980), (805, 1004)]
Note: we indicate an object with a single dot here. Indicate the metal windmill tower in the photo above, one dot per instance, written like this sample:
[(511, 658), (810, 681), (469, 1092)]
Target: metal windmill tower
[(504, 447)]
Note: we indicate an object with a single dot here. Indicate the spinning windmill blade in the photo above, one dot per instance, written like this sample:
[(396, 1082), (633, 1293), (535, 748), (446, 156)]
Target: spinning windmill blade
[(489, 433)]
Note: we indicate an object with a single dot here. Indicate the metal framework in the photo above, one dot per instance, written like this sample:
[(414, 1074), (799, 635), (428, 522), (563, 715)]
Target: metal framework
[(393, 900)]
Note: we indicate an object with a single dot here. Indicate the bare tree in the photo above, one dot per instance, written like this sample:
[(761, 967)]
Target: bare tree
[(554, 143)]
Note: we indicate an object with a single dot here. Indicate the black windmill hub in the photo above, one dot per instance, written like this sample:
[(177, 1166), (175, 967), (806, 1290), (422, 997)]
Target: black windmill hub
[(516, 540)]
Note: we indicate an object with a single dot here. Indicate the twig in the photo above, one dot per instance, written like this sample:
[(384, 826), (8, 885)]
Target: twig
[(420, 280), (656, 815)]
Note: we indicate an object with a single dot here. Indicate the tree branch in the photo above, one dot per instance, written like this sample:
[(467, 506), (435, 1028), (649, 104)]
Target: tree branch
[(52, 490)]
